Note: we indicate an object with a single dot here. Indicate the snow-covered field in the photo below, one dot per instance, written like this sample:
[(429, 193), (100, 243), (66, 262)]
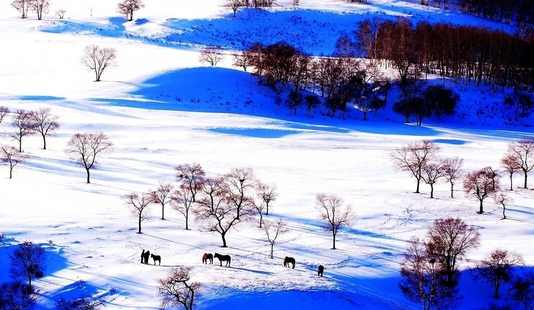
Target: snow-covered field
[(160, 107)]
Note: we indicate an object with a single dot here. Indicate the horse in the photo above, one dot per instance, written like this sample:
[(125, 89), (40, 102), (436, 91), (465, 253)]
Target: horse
[(289, 260), (223, 258), (207, 257), (146, 255), (156, 258), (320, 270)]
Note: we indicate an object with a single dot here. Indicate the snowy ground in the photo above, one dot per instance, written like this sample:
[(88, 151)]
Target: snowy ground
[(161, 108)]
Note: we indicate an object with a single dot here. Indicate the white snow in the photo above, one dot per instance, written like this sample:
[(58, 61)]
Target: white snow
[(160, 107)]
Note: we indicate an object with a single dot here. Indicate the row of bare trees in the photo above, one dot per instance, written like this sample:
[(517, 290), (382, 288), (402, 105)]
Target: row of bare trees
[(37, 6), (84, 148), (421, 160), (520, 11), (219, 204), (25, 123), (40, 7), (464, 53), (430, 267)]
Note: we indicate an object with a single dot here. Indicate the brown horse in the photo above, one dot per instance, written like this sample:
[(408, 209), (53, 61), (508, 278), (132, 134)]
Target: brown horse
[(320, 270), (289, 260), (223, 258), (207, 257)]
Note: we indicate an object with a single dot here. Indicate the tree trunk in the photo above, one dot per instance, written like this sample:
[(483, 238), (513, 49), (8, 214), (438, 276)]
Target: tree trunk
[(186, 220), (511, 186), (431, 190), (44, 142), (452, 190), (481, 206), (526, 177), (88, 175), (272, 250), (223, 236), (333, 241), (139, 224), (163, 212)]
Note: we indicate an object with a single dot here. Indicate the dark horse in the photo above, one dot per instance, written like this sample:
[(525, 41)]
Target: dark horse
[(207, 257), (289, 260), (223, 258), (156, 258), (320, 270)]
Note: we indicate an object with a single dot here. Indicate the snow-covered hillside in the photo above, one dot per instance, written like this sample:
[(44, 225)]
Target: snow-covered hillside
[(160, 107)]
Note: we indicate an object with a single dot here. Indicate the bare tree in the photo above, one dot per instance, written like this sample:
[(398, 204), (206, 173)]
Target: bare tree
[(502, 199), (242, 59), (39, 7), (452, 171), (267, 193), (211, 55), (422, 280), (98, 59), (273, 230), (11, 156), (259, 206), (239, 187), (481, 184), (191, 176), (162, 195), (24, 126), (449, 239), (61, 13), (511, 164), (138, 203), (432, 172), (523, 150), (177, 290), (128, 7), (3, 112), (497, 268), (45, 123), (16, 295), (334, 214), (23, 6), (28, 261), (234, 5), (413, 157), (182, 201), (86, 148), (213, 211)]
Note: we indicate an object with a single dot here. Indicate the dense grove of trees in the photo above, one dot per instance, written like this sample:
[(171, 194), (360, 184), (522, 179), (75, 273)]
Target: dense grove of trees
[(463, 53), (339, 80), (520, 11)]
